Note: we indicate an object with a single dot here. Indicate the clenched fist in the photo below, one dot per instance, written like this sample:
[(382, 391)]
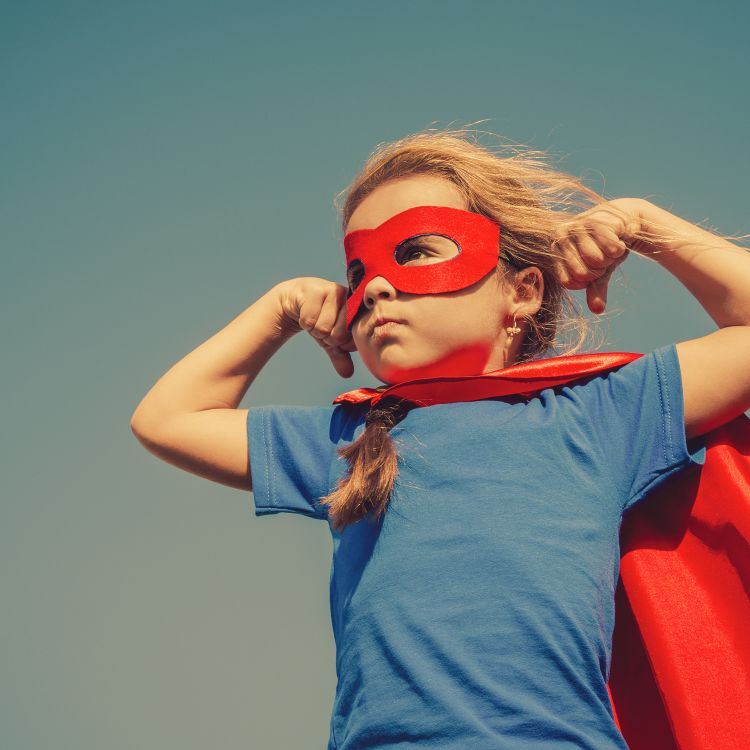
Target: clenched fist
[(318, 306)]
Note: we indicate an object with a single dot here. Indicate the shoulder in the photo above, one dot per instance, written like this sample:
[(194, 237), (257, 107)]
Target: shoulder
[(714, 378)]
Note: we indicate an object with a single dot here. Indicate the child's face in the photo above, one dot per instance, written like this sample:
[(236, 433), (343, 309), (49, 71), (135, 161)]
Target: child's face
[(447, 333)]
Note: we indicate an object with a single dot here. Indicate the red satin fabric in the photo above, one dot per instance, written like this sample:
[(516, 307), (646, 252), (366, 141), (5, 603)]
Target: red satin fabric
[(680, 672)]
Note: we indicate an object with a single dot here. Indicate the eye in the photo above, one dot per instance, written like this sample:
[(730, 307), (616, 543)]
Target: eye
[(425, 249), (354, 274), (412, 251)]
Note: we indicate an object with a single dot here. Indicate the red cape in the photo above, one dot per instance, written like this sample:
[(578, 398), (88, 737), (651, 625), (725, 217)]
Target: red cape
[(680, 671)]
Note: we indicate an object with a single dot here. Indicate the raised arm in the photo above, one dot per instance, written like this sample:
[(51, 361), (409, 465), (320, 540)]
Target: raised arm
[(190, 418), (715, 368)]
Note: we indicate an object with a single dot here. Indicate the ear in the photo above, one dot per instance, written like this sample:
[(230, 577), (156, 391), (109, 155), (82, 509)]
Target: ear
[(528, 290)]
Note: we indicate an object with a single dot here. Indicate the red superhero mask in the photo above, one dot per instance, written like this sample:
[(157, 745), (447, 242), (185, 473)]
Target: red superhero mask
[(458, 248)]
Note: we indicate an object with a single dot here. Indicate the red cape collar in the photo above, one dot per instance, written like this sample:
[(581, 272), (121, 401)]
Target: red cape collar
[(525, 379)]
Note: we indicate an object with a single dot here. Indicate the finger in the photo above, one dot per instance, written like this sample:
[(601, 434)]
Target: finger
[(327, 317), (340, 334), (609, 241), (310, 310), (600, 269), (342, 361), (572, 272), (591, 256), (340, 337), (626, 222), (602, 216), (596, 292)]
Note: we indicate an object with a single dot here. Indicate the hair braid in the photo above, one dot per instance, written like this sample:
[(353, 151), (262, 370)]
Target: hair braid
[(367, 486)]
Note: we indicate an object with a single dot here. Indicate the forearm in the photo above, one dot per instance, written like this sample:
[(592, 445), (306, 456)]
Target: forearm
[(218, 373), (715, 271)]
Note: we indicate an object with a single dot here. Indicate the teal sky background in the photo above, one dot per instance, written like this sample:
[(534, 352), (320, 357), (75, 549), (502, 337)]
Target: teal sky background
[(164, 164)]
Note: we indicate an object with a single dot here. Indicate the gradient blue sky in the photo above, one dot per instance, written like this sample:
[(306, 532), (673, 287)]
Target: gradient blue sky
[(164, 164)]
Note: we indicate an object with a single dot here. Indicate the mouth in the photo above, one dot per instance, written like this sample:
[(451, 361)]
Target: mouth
[(384, 324)]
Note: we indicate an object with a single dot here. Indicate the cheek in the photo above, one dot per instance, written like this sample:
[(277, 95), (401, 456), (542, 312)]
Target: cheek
[(358, 333), (364, 339), (460, 324), (448, 319)]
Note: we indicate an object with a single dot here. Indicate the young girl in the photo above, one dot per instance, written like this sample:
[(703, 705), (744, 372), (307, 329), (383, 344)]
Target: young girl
[(475, 542)]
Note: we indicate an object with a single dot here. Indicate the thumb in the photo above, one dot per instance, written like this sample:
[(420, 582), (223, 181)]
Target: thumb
[(596, 292), (342, 361)]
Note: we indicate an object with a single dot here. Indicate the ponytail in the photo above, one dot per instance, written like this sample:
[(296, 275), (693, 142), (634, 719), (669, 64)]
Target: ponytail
[(373, 466)]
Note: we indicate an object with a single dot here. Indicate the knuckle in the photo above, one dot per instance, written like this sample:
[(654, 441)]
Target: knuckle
[(577, 229), (579, 274), (598, 262)]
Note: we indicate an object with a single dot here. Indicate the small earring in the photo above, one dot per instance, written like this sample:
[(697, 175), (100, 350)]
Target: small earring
[(514, 330)]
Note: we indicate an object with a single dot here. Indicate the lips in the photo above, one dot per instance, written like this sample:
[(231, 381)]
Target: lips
[(381, 320)]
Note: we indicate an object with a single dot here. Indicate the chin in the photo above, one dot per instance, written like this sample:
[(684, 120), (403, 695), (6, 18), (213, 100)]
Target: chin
[(397, 364), (443, 368), (394, 375)]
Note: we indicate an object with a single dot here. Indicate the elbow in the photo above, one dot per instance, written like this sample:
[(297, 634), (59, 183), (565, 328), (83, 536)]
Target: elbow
[(140, 423), (143, 430), (136, 426)]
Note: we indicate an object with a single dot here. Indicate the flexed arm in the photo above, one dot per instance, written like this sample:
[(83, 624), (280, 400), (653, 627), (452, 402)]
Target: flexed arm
[(715, 368), (714, 270), (190, 418)]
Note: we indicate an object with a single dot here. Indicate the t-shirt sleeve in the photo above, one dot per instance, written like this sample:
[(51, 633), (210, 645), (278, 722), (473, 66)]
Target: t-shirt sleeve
[(636, 413), (290, 449)]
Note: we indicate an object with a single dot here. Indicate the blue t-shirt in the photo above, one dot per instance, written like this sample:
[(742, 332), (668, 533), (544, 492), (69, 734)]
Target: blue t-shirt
[(478, 612)]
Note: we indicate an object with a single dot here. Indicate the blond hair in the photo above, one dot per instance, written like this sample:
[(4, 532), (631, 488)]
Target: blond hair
[(513, 186)]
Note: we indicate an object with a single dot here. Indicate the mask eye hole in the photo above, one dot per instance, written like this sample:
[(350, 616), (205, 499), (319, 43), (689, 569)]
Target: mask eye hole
[(354, 274), (425, 249)]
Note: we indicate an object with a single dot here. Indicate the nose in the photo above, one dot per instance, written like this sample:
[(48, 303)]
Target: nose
[(377, 288)]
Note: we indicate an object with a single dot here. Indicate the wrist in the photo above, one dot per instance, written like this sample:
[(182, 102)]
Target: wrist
[(642, 219), (279, 300)]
